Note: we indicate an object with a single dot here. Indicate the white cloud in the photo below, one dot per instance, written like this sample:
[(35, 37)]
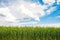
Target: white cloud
[(21, 9), (58, 1), (49, 11), (32, 10), (49, 2), (5, 11), (58, 17), (50, 25)]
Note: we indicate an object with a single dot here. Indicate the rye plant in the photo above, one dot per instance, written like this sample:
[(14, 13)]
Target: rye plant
[(29, 33)]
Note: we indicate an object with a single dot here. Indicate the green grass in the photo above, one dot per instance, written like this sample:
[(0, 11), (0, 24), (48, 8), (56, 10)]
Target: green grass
[(29, 33)]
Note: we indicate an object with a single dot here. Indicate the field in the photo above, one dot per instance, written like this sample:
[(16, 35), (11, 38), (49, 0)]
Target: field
[(29, 33)]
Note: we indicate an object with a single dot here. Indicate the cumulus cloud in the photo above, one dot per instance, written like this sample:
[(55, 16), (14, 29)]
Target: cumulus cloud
[(5, 11), (32, 10), (24, 9)]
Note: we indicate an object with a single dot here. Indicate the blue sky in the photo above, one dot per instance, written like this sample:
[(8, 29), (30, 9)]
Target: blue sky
[(29, 12)]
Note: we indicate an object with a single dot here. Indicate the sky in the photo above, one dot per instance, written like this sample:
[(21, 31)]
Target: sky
[(29, 12)]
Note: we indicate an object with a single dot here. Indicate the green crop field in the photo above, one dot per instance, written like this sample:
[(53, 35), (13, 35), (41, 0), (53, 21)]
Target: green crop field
[(29, 33)]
